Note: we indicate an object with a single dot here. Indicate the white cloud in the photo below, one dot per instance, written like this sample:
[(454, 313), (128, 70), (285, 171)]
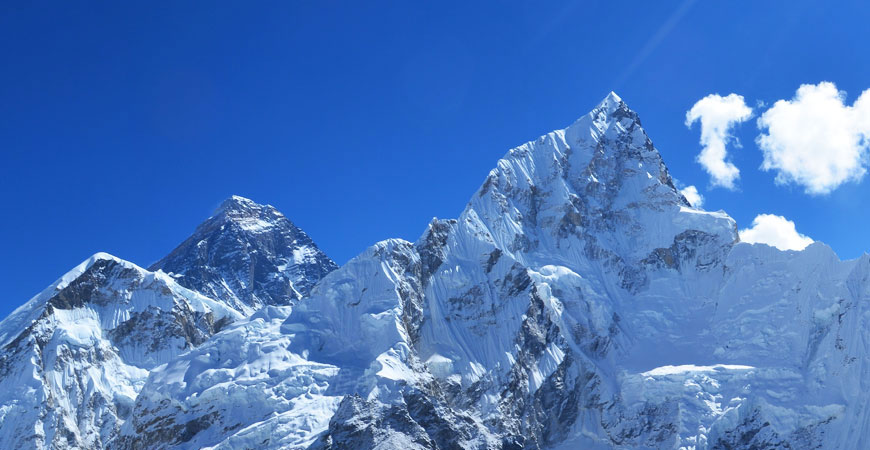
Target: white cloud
[(718, 115), (815, 140), (693, 196), (774, 230)]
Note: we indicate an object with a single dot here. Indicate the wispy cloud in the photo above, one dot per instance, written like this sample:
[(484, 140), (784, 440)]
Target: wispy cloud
[(654, 41), (718, 115)]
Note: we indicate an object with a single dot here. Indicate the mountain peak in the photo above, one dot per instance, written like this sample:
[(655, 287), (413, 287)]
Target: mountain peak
[(249, 215), (609, 120), (598, 185), (100, 259), (611, 102), (237, 206), (236, 202), (248, 255), (74, 356)]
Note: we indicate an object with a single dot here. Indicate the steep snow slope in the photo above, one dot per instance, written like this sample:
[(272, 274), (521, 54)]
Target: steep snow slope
[(75, 356), (248, 255)]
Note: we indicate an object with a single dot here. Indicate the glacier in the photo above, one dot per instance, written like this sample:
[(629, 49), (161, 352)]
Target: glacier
[(578, 301)]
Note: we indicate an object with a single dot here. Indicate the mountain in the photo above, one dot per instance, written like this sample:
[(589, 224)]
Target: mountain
[(578, 301), (248, 255), (76, 355)]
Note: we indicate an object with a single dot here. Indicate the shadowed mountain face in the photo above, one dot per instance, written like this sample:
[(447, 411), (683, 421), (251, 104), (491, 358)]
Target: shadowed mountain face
[(248, 255)]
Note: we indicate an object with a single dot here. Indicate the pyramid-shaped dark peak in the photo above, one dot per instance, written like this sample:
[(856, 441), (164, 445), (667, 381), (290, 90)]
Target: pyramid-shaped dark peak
[(248, 255)]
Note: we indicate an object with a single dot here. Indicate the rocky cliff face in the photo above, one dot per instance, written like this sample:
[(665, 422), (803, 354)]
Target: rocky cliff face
[(577, 302), (248, 255)]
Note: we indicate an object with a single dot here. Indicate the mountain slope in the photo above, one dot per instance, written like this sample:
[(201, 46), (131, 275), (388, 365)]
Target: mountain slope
[(252, 385), (248, 255), (75, 356)]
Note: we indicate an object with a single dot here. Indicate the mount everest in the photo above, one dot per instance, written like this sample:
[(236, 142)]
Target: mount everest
[(249, 256), (578, 301)]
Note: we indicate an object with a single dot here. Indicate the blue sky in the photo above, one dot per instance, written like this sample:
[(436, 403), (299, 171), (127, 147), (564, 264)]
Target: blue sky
[(122, 125)]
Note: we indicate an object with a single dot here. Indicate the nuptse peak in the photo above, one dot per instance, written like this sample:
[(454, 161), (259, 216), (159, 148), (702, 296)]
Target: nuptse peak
[(578, 301)]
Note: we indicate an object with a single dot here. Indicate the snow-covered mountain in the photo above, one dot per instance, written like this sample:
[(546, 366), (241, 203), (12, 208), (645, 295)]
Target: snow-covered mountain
[(248, 255), (578, 301), (76, 355)]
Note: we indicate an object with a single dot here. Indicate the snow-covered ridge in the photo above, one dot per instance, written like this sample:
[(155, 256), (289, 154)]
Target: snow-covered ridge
[(25, 314), (75, 356), (28, 312)]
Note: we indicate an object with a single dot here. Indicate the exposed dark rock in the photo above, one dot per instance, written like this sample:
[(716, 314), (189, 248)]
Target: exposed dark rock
[(248, 255)]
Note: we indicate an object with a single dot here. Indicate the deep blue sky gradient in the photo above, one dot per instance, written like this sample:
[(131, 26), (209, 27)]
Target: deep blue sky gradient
[(124, 124)]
